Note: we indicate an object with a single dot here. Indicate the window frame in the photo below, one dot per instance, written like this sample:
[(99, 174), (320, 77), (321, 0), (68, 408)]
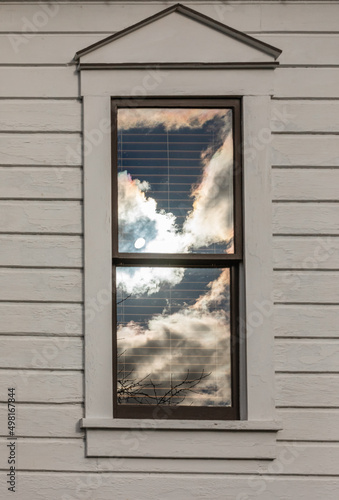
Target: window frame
[(196, 260), (254, 435)]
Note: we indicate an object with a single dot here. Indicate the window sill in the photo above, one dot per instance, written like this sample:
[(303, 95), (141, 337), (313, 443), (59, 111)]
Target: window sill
[(134, 438)]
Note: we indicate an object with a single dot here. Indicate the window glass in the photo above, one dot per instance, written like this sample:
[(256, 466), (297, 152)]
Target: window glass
[(173, 336), (175, 180)]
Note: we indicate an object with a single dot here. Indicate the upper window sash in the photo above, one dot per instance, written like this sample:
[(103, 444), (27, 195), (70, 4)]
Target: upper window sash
[(178, 258)]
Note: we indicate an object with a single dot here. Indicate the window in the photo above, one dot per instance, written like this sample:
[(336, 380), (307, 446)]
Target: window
[(176, 249), (232, 68)]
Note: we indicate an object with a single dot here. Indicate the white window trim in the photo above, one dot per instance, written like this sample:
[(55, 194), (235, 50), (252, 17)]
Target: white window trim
[(254, 436)]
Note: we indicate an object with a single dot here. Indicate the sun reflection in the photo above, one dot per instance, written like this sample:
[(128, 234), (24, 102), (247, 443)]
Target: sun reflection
[(140, 242)]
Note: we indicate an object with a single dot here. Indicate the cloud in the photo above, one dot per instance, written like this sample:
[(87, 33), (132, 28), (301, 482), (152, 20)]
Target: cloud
[(139, 217), (147, 280), (193, 340), (211, 219), (169, 118)]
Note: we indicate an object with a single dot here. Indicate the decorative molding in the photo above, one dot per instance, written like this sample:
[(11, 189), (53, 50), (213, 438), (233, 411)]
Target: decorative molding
[(180, 66), (192, 14), (185, 425)]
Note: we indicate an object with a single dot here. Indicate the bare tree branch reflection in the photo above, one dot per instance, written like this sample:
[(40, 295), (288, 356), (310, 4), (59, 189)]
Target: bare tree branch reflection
[(145, 391)]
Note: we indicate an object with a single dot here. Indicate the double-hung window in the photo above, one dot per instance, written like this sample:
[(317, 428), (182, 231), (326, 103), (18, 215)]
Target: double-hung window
[(176, 248), (191, 310)]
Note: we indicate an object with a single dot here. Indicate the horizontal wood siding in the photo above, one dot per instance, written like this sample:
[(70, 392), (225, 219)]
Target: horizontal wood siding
[(297, 49), (40, 250), (306, 286), (40, 149), (306, 184), (175, 486), (26, 216), (39, 115), (312, 390), (43, 386), (42, 82), (306, 252), (60, 353), (306, 218), (40, 285), (305, 116), (41, 255), (40, 183), (306, 320), (305, 150), (109, 17), (41, 318), (308, 424), (311, 355), (44, 420)]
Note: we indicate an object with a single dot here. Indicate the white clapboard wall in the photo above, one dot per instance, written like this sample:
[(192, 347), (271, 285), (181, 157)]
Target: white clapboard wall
[(41, 256)]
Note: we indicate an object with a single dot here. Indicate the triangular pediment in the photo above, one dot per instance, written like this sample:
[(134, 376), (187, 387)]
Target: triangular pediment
[(179, 36)]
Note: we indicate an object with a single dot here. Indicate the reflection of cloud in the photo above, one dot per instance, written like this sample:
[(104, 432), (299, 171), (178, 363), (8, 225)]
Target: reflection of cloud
[(211, 220), (140, 218), (169, 118), (195, 338), (147, 280), (218, 290)]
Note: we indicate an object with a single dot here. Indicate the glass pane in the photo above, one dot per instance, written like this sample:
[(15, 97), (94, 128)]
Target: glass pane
[(175, 180), (173, 336)]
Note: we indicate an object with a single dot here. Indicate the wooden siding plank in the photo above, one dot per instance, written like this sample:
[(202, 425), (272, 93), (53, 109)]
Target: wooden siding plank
[(41, 285), (307, 390), (69, 455), (46, 48), (305, 184), (40, 251), (305, 116), (303, 48), (55, 485), (41, 319), (299, 17), (306, 286), (39, 82), (306, 82), (306, 252), (312, 355), (297, 48), (46, 420), (306, 320), (309, 458), (115, 16), (40, 182), (36, 353), (40, 149), (40, 217), (305, 150), (108, 17), (306, 218), (39, 115), (309, 424), (42, 386)]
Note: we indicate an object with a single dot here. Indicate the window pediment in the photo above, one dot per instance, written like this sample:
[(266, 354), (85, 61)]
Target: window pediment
[(176, 37)]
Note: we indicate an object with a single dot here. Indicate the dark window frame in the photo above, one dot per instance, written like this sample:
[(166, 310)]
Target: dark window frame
[(231, 261)]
